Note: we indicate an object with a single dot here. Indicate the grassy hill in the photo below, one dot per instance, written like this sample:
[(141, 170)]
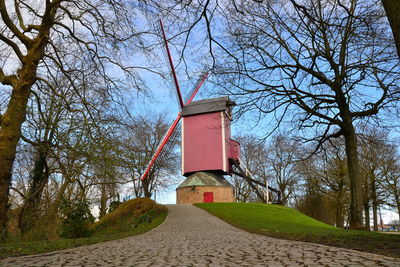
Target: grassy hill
[(283, 222), (136, 216), (132, 217)]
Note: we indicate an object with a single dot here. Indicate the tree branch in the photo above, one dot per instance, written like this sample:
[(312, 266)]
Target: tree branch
[(7, 21)]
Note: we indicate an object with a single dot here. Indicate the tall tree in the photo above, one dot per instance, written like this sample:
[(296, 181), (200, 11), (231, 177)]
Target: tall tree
[(376, 157), (323, 62), (390, 181), (44, 115), (38, 38), (281, 156), (148, 131), (331, 169)]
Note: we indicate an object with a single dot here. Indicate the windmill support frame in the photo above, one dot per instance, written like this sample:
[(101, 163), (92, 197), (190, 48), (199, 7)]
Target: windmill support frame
[(253, 182)]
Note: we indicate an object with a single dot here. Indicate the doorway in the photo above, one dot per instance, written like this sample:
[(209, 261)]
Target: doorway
[(208, 197)]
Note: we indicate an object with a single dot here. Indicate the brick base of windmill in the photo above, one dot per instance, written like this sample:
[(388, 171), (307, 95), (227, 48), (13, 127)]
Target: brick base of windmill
[(204, 187)]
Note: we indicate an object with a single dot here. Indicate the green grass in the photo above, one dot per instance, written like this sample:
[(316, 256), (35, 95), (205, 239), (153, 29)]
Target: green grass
[(123, 222), (283, 222)]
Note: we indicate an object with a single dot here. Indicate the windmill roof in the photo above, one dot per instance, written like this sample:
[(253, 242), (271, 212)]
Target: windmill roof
[(205, 179), (207, 106)]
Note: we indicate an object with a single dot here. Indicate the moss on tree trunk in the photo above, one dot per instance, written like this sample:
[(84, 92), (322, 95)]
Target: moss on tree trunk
[(10, 134)]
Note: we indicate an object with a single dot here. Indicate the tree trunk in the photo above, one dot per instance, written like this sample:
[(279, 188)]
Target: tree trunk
[(356, 188), (367, 217), (374, 203), (398, 207), (339, 207), (375, 215), (392, 9), (339, 213), (10, 133), (103, 201), (30, 212), (366, 203), (145, 186)]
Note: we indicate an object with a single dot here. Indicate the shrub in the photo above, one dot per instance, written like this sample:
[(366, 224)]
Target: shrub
[(77, 219), (114, 205), (145, 218)]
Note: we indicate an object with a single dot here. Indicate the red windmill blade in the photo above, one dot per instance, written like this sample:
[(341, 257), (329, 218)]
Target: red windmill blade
[(172, 129), (171, 63)]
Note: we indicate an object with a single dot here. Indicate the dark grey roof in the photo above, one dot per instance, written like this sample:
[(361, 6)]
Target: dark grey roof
[(207, 106), (205, 179)]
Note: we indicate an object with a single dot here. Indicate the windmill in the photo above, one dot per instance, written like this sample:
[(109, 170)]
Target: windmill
[(208, 152)]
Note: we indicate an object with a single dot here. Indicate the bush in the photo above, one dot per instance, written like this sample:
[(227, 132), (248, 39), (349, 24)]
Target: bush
[(77, 219), (114, 205), (145, 218)]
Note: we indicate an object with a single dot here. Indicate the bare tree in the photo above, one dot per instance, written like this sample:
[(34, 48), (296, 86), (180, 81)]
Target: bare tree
[(44, 116), (323, 64), (392, 184), (376, 157), (142, 136), (281, 156), (390, 181), (334, 178), (325, 184)]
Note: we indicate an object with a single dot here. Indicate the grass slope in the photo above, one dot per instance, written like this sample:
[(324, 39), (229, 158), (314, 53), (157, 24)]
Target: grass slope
[(283, 222), (131, 218)]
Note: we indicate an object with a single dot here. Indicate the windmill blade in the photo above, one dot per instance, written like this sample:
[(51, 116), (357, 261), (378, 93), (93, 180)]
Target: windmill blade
[(165, 154), (191, 94), (161, 146), (171, 64)]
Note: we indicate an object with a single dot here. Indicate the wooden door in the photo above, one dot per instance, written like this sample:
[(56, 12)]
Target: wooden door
[(208, 197)]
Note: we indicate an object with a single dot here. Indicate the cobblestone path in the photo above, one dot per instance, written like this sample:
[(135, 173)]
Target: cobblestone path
[(192, 237)]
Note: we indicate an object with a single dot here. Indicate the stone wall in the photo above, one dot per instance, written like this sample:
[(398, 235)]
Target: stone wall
[(191, 195)]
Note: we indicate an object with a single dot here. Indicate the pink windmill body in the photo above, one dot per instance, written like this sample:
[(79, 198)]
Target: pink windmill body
[(206, 142)]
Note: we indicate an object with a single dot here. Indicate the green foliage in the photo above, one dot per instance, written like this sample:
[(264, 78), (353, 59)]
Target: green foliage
[(283, 222), (77, 219), (145, 218)]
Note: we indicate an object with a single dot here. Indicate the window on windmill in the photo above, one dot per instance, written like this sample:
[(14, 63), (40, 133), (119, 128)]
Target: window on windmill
[(193, 188)]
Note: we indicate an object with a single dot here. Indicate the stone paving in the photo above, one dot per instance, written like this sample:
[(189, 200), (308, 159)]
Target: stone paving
[(192, 237)]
